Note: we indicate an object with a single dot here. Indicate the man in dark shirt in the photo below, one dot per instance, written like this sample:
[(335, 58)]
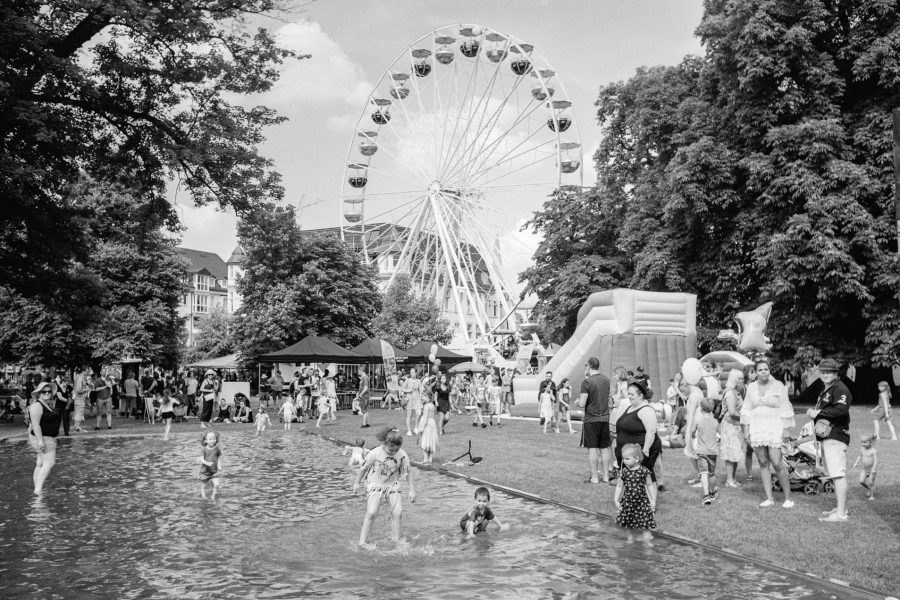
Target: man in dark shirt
[(594, 399), (832, 418)]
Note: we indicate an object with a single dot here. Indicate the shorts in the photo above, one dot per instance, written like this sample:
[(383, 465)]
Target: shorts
[(706, 464), (206, 474), (104, 405), (479, 528), (595, 434), (835, 454), (364, 403)]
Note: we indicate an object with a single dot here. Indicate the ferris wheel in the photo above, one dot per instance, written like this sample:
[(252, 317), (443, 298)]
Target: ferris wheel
[(463, 128)]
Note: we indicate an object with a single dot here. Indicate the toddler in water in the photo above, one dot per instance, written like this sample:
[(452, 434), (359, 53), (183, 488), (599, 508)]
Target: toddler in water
[(868, 459), (478, 517), (288, 413), (635, 496), (383, 469), (167, 410), (210, 463), (357, 453), (262, 420)]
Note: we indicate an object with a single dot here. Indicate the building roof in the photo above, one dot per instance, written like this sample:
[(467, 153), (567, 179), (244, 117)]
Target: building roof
[(199, 260), (237, 256)]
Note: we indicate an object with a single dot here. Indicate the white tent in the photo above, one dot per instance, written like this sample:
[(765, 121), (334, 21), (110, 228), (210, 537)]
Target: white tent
[(229, 361)]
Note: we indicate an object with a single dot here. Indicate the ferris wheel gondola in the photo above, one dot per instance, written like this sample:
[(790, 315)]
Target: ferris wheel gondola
[(461, 126)]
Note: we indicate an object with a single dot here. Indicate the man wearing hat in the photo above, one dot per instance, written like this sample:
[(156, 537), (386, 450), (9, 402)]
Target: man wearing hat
[(832, 427)]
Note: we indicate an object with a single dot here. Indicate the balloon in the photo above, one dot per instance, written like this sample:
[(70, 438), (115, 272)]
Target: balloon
[(437, 362), (431, 357), (692, 371), (434, 350)]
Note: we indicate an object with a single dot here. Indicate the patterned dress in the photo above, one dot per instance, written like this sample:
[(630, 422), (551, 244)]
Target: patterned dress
[(636, 512)]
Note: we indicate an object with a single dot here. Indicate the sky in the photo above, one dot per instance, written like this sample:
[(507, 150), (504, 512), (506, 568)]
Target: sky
[(589, 43)]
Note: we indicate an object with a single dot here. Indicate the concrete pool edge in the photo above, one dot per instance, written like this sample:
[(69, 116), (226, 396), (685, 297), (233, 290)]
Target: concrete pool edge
[(836, 585)]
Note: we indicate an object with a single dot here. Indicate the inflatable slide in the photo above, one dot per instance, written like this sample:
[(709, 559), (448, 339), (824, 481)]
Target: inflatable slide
[(656, 330)]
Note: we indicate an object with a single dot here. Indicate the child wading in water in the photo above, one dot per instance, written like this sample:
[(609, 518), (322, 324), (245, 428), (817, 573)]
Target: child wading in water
[(883, 410), (288, 413), (635, 496), (210, 463), (167, 410), (384, 467), (429, 433), (868, 459), (480, 515), (357, 452), (262, 420)]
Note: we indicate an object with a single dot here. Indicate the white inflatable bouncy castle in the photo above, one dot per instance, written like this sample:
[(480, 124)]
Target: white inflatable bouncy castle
[(621, 327)]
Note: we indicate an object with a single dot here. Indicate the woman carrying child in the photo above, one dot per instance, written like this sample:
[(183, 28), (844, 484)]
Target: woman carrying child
[(383, 469)]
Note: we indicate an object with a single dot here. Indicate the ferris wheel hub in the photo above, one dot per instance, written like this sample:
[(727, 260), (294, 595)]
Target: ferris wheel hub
[(434, 188)]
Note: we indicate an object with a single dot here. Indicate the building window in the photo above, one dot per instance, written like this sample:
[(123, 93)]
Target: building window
[(202, 283), (201, 303)]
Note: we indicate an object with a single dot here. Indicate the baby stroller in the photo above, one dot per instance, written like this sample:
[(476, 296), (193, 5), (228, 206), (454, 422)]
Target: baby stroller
[(804, 469)]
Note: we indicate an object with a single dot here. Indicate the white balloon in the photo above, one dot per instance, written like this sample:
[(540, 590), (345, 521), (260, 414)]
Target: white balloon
[(431, 357), (434, 349), (692, 371)]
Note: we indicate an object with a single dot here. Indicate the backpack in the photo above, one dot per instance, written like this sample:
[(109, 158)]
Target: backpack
[(720, 409)]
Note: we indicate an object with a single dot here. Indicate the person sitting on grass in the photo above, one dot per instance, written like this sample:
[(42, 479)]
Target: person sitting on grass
[(480, 515), (868, 459)]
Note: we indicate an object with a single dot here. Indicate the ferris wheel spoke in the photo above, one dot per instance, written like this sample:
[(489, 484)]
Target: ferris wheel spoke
[(425, 170), (482, 136), (485, 154), (420, 169), (412, 204), (465, 139), (470, 114), (471, 176), (393, 175), (422, 111)]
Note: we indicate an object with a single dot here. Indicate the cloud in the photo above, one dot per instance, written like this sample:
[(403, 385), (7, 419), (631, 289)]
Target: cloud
[(517, 248), (327, 77), (208, 229)]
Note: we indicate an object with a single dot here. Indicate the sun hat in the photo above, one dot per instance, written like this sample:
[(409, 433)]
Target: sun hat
[(829, 365), (641, 384), (210, 372), (41, 386)]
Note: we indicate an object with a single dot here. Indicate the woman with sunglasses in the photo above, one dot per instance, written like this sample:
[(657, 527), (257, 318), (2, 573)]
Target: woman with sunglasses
[(42, 432)]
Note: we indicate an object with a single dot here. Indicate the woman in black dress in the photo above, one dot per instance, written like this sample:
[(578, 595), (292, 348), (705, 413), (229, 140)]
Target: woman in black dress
[(637, 425)]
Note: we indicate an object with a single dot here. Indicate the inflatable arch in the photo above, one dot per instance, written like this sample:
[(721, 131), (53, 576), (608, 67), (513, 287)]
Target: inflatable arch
[(657, 330)]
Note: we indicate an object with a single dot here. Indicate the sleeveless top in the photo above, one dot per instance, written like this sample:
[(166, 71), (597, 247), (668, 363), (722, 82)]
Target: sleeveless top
[(630, 429), (50, 421)]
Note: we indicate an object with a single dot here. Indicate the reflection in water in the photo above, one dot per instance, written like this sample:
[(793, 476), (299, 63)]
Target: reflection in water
[(123, 517)]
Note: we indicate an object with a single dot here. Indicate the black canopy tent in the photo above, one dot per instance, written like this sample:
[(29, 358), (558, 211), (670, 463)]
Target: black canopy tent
[(371, 349), (314, 349), (420, 353)]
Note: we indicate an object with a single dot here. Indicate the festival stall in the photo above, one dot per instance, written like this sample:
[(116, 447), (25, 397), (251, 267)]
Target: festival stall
[(227, 362), (420, 354)]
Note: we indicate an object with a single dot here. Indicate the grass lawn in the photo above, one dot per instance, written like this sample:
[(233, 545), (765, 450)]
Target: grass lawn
[(862, 551)]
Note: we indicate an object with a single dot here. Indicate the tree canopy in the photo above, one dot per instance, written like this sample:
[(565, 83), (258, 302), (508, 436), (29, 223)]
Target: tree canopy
[(759, 171), (119, 300), (103, 104), (296, 284), (406, 320)]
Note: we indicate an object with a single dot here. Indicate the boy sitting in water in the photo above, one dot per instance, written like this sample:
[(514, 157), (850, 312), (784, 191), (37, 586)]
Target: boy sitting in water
[(479, 515)]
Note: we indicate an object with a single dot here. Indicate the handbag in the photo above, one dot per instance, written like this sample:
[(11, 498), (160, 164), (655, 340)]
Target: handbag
[(822, 428)]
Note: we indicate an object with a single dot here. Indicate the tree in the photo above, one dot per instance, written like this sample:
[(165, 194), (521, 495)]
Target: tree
[(761, 171), (216, 336), (120, 300), (297, 284), (406, 320), (132, 94)]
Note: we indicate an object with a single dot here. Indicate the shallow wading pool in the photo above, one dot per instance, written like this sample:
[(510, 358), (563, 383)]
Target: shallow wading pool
[(121, 517)]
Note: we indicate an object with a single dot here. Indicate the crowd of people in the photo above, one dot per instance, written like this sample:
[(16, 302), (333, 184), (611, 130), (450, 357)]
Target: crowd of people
[(625, 426)]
